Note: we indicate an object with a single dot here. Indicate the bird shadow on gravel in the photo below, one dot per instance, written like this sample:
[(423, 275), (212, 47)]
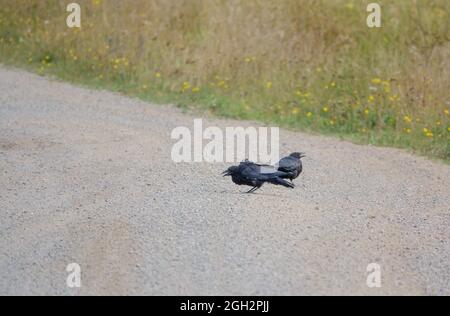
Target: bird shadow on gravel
[(255, 194)]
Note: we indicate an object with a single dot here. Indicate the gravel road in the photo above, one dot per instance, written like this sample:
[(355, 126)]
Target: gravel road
[(86, 177)]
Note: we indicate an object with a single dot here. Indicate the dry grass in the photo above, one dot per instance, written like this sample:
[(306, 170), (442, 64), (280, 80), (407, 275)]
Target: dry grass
[(302, 63)]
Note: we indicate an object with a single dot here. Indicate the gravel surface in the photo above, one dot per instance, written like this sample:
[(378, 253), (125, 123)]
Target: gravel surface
[(86, 177)]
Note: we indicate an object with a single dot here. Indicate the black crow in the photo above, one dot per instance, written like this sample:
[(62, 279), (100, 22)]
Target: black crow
[(291, 165), (254, 175)]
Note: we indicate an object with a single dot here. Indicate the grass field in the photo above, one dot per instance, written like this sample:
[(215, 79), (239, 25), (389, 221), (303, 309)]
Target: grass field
[(311, 65)]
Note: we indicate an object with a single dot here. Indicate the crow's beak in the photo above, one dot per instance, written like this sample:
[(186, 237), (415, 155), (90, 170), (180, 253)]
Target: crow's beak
[(226, 173), (302, 155)]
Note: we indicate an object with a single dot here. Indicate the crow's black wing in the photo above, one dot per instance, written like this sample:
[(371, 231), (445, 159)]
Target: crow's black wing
[(252, 169), (256, 175)]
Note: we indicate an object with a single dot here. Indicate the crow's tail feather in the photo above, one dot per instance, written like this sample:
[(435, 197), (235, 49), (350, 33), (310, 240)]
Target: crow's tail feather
[(279, 181)]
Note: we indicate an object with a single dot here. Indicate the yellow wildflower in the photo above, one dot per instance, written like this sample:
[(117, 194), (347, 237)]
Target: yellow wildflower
[(186, 86), (376, 80), (394, 98)]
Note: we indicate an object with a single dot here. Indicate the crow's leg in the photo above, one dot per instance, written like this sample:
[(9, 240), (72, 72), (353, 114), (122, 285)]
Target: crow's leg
[(255, 188), (252, 190)]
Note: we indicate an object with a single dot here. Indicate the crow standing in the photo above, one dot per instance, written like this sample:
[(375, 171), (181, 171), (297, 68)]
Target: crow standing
[(291, 165), (254, 175)]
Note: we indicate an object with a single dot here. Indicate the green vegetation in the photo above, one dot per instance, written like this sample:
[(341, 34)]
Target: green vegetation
[(306, 64)]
